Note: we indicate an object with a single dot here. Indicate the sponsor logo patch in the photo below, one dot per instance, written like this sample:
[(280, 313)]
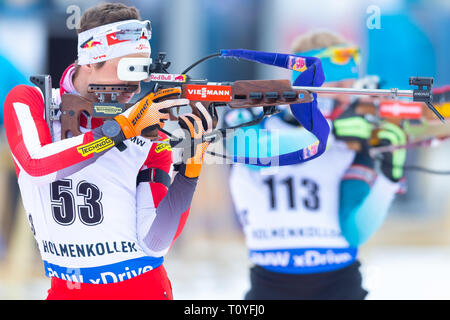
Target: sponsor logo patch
[(95, 146), (310, 150), (163, 77), (297, 63), (197, 92), (137, 141), (108, 110), (400, 109), (163, 146), (165, 93), (91, 44), (140, 113), (99, 57)]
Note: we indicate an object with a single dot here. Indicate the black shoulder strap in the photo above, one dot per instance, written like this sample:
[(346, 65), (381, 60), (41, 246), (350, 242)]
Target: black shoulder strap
[(154, 175)]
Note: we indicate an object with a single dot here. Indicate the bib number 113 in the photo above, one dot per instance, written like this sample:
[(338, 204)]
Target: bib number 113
[(311, 201)]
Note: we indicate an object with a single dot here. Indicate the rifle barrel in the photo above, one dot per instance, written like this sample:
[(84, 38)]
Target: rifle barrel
[(354, 91)]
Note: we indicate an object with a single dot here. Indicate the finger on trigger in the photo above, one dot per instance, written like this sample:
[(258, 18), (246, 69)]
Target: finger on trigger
[(167, 104), (198, 124), (205, 114), (187, 124)]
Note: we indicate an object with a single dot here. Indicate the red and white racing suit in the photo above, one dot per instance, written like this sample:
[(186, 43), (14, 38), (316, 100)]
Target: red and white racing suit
[(101, 235)]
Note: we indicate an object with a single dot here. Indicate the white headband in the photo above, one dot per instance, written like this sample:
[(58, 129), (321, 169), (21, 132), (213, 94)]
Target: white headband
[(114, 40)]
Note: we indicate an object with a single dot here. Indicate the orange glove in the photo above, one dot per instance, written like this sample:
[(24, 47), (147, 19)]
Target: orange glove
[(195, 127), (149, 112)]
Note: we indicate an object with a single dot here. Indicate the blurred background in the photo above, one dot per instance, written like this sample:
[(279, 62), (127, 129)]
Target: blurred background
[(408, 258)]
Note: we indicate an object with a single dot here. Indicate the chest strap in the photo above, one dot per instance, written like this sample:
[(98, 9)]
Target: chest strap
[(154, 175)]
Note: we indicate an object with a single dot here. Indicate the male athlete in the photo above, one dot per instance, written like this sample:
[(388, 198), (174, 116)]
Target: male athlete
[(103, 219), (304, 223)]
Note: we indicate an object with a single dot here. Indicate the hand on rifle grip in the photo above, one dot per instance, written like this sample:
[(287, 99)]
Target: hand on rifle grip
[(352, 127), (149, 112), (392, 162), (210, 108), (195, 126)]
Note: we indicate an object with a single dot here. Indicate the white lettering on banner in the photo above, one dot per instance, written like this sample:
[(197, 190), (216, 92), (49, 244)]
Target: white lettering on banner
[(286, 233), (167, 77), (312, 258), (271, 258), (87, 250), (111, 277), (204, 92), (64, 276), (105, 277)]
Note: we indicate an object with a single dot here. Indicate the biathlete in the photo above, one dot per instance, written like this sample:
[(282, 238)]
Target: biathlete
[(303, 224), (104, 219)]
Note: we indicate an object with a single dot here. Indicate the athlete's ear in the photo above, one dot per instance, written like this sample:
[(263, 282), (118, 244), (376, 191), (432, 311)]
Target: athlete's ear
[(87, 67)]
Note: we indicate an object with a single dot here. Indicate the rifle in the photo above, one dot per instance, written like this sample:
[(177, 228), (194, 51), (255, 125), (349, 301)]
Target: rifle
[(416, 120), (239, 94), (414, 117)]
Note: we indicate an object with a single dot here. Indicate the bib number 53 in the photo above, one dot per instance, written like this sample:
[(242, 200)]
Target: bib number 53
[(62, 194)]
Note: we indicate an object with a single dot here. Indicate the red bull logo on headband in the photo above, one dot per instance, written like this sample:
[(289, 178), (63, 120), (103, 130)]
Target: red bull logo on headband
[(132, 35)]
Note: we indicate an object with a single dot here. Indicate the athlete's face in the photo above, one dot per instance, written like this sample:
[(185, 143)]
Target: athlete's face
[(107, 74)]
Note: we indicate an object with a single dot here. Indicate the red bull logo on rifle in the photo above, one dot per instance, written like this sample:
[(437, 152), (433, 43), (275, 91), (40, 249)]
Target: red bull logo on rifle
[(180, 78), (197, 92), (167, 77)]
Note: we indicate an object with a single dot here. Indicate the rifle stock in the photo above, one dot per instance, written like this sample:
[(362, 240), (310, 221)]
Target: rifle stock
[(240, 94)]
